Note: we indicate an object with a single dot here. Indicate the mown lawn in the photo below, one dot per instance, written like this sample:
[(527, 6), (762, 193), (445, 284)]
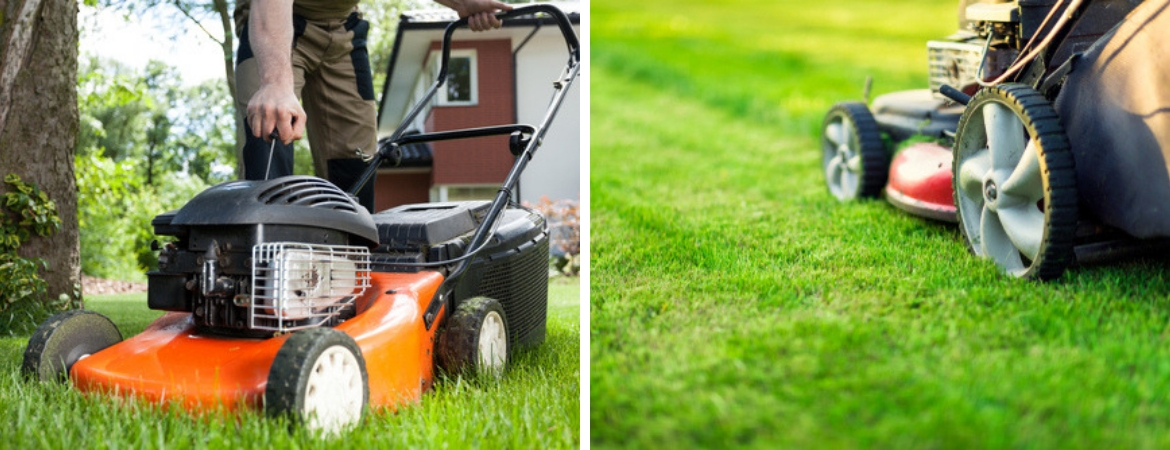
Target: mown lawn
[(536, 405), (735, 304)]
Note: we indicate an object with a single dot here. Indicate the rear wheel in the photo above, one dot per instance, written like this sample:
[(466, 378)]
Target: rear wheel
[(855, 160), (1014, 182), (318, 379), (64, 339), (476, 339)]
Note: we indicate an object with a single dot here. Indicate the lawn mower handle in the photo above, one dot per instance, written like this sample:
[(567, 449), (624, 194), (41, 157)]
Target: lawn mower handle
[(392, 152), (525, 140)]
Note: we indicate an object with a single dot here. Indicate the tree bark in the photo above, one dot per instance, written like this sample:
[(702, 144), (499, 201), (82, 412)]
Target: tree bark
[(39, 122)]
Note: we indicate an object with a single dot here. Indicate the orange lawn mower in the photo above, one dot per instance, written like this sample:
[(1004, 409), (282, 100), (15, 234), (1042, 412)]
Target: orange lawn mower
[(285, 295), (1045, 134)]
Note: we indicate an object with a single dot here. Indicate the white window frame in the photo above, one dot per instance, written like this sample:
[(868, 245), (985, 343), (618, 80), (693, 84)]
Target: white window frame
[(441, 96), (441, 193)]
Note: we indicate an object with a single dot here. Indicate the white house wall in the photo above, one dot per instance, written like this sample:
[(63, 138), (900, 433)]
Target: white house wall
[(555, 172)]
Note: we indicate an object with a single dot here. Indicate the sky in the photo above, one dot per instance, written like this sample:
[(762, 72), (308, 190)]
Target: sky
[(134, 42)]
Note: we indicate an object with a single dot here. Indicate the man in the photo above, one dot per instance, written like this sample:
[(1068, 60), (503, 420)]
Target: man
[(328, 67)]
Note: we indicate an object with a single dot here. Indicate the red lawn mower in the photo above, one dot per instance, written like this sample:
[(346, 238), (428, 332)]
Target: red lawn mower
[(286, 295), (1045, 134)]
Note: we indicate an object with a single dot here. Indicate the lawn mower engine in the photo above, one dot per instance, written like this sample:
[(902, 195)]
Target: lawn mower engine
[(257, 258)]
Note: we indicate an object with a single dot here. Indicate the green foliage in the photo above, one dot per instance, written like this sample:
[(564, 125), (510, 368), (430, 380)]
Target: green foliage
[(152, 118), (147, 144), (26, 211), (115, 208), (735, 304)]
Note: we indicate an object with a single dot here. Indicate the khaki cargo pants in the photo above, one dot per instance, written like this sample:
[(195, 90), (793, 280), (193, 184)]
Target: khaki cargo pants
[(331, 70)]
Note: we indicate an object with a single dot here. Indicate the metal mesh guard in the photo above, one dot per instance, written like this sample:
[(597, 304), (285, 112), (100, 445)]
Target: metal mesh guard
[(953, 63), (296, 286)]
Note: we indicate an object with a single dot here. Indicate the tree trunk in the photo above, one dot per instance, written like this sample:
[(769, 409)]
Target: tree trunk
[(229, 66), (38, 122)]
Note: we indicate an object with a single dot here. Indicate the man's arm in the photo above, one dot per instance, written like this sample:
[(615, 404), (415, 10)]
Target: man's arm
[(275, 104), (480, 14)]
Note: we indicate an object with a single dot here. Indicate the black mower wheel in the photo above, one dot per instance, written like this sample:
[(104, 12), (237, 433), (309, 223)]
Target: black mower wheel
[(476, 339), (855, 162), (64, 339), (318, 380), (1015, 182)]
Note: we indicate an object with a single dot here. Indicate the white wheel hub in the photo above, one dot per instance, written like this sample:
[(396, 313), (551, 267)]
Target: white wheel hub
[(334, 391), (844, 166), (1001, 187), (493, 344)]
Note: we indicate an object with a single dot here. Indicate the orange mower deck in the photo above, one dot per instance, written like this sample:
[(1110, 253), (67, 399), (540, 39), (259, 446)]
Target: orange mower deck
[(171, 362)]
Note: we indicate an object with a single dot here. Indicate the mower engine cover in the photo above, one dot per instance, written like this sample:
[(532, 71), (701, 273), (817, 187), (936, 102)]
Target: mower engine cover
[(294, 200)]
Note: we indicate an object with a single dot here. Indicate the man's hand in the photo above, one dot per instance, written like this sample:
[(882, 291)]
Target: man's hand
[(480, 14), (273, 107)]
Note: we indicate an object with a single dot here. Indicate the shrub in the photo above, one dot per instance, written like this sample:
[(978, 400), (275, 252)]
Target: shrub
[(115, 207), (564, 225), (25, 211)]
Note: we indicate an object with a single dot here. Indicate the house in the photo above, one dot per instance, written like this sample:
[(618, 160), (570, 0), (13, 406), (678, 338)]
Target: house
[(496, 77)]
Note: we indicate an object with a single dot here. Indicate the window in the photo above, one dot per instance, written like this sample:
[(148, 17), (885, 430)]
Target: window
[(462, 86), (463, 193)]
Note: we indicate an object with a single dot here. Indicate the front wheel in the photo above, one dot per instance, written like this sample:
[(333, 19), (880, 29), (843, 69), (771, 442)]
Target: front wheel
[(1014, 182), (318, 379), (64, 339)]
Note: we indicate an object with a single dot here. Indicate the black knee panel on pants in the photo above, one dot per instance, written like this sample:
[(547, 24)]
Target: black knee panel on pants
[(256, 158), (345, 172)]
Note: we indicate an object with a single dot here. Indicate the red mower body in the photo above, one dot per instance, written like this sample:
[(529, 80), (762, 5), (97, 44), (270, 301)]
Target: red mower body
[(920, 181)]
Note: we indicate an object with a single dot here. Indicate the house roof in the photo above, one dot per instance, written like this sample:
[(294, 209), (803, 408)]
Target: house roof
[(416, 31)]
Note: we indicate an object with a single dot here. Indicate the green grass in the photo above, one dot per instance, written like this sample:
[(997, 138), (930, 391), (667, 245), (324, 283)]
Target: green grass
[(735, 304), (535, 405)]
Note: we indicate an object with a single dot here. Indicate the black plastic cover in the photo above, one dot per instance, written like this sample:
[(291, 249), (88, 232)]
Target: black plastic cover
[(418, 227), (293, 200)]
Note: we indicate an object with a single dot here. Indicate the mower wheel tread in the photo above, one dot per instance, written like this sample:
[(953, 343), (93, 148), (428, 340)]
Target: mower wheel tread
[(460, 344), (865, 139)]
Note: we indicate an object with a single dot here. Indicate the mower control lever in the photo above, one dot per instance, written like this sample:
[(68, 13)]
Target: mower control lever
[(954, 94)]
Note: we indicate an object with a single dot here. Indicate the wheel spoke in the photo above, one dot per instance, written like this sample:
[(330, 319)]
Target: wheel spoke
[(1005, 136), (849, 182), (972, 172), (834, 171), (1026, 183), (996, 244), (854, 163), (833, 133), (1024, 225)]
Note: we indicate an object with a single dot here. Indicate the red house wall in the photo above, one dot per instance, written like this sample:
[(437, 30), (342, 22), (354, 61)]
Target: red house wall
[(483, 160), (395, 189)]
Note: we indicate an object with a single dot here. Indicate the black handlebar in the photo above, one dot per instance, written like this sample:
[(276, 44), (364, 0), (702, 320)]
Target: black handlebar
[(396, 139)]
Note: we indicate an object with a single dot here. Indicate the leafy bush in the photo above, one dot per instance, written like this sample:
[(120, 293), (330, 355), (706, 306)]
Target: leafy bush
[(26, 211), (564, 225), (115, 207)]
